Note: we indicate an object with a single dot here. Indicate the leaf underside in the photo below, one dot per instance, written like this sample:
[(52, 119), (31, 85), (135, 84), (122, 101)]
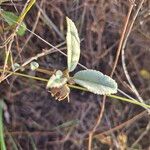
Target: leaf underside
[(96, 82), (56, 80), (73, 45), (34, 65)]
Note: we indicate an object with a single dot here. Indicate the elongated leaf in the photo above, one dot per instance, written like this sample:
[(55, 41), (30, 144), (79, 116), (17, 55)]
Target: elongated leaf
[(11, 19), (96, 82), (73, 45), (56, 80), (2, 141)]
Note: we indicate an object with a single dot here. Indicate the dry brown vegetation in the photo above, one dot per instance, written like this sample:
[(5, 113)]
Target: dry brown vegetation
[(36, 120)]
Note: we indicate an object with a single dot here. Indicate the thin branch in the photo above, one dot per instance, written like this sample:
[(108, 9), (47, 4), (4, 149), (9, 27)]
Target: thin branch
[(123, 53), (122, 39), (112, 72)]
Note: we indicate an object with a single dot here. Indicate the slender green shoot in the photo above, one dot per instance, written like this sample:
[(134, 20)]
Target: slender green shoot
[(80, 88), (2, 141)]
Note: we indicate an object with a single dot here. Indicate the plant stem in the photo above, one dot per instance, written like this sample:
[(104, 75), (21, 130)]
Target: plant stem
[(2, 142), (25, 75), (79, 88), (129, 100)]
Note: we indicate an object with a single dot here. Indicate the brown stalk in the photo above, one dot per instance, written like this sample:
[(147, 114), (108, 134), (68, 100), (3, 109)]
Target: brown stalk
[(112, 72)]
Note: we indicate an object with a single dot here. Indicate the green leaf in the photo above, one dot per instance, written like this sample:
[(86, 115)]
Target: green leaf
[(12, 19), (15, 66), (73, 45), (34, 65), (2, 140), (56, 80), (96, 82)]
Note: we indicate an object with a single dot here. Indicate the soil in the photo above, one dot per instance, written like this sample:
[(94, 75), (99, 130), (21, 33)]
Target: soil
[(36, 120)]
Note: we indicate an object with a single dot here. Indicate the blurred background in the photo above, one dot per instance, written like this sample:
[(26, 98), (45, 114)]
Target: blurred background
[(37, 121)]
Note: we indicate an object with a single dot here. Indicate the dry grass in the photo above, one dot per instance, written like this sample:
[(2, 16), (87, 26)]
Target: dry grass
[(36, 120)]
